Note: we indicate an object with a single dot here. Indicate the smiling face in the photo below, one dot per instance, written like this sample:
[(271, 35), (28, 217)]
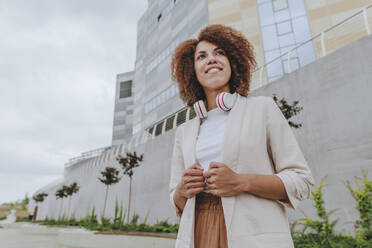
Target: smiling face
[(212, 67)]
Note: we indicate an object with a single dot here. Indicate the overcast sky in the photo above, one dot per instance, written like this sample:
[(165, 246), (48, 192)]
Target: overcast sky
[(58, 64)]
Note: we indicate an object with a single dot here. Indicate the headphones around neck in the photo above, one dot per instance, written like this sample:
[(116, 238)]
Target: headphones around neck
[(225, 101)]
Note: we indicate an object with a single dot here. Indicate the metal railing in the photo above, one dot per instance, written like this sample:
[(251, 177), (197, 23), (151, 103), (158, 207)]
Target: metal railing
[(86, 155), (326, 46)]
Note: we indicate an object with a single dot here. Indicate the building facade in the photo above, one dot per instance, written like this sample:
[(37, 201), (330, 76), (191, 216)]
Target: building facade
[(148, 108), (123, 109)]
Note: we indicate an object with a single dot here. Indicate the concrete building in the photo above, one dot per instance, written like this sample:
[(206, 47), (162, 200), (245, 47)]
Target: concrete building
[(123, 114), (294, 61)]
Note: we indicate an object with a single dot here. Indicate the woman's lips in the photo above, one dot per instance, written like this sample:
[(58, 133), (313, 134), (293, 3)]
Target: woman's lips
[(213, 70)]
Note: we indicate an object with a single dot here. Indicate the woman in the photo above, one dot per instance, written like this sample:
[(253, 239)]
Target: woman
[(233, 169)]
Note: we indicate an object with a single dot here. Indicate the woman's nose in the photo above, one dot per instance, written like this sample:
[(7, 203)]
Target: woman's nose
[(211, 59)]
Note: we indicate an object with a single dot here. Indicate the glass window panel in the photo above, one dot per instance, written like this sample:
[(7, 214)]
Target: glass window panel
[(270, 55), (306, 54), (284, 27), (266, 14), (173, 90), (262, 1), (282, 15), (286, 40), (297, 8), (169, 123), (159, 128), (269, 37), (294, 64), (301, 29), (275, 69), (288, 48), (192, 113), (181, 117), (167, 94), (157, 101), (164, 97), (280, 5)]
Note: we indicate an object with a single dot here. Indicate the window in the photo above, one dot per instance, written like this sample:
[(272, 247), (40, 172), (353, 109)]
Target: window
[(150, 130), (181, 117), (280, 5), (294, 64), (192, 113), (284, 27), (286, 40), (159, 128), (125, 89), (169, 123), (270, 40)]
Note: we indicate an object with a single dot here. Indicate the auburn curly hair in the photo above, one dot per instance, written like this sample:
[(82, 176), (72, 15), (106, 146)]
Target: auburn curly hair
[(238, 50)]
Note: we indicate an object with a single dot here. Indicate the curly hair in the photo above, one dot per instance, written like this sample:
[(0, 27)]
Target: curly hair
[(238, 50)]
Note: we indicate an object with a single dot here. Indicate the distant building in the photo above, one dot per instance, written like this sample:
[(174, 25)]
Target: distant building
[(123, 113)]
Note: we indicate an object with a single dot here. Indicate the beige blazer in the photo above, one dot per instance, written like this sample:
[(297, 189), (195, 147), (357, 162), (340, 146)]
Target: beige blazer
[(258, 140)]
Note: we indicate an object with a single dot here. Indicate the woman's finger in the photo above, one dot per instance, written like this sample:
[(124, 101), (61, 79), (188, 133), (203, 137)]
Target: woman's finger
[(193, 172), (211, 180), (194, 185), (192, 192), (188, 179)]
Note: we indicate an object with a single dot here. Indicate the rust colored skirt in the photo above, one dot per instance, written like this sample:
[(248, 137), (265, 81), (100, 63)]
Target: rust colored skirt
[(210, 228)]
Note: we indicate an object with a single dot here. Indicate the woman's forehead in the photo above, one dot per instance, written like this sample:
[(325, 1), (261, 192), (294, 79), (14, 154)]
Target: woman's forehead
[(204, 46)]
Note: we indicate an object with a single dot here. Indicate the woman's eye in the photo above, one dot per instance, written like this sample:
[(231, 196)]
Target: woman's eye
[(200, 56), (220, 52)]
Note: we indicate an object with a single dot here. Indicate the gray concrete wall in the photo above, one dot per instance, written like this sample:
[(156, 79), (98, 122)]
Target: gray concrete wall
[(336, 138)]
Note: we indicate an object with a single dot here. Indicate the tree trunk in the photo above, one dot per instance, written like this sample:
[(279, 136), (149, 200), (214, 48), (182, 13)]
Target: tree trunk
[(104, 205), (35, 213), (60, 210), (68, 209), (129, 199)]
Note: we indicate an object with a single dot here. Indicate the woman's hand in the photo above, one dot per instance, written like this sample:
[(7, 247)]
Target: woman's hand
[(191, 184), (192, 181), (222, 181)]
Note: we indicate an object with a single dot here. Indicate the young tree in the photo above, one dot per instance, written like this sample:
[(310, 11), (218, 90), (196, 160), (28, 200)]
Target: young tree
[(128, 163), (288, 110), (60, 194), (109, 176), (71, 190), (38, 198)]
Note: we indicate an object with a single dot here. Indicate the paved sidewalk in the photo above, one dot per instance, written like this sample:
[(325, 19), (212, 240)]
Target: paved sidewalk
[(17, 235), (28, 235)]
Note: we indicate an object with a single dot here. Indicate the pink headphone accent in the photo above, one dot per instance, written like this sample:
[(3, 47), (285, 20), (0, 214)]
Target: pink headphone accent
[(225, 101)]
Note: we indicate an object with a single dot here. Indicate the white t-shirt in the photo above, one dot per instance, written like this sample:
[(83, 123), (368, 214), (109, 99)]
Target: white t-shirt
[(209, 140)]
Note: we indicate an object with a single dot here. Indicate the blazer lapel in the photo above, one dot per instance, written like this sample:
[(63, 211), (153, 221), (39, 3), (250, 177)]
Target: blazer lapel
[(189, 141), (230, 150), (190, 134)]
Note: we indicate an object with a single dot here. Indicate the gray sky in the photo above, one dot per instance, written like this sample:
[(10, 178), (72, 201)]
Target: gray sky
[(58, 64)]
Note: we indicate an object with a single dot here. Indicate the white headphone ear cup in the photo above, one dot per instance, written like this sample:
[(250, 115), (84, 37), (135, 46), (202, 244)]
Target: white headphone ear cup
[(200, 109), (225, 101)]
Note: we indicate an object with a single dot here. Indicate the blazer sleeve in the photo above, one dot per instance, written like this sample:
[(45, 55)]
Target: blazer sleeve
[(289, 162), (177, 168)]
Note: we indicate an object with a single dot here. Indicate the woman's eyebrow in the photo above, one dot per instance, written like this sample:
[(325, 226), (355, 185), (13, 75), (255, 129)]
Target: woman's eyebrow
[(215, 49)]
